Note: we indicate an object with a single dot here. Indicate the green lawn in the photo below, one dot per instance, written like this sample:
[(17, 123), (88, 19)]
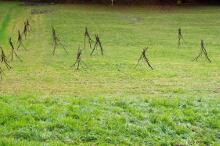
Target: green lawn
[(43, 101)]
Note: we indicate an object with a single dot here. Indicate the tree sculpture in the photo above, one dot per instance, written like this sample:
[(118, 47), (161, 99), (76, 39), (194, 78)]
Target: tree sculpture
[(180, 37), (1, 73), (28, 25), (202, 51), (78, 59), (25, 31), (4, 59), (98, 42), (143, 56), (56, 41), (27, 28), (87, 35), (20, 41), (13, 52)]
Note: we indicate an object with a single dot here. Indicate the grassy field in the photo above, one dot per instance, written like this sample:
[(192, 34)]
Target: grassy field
[(43, 101)]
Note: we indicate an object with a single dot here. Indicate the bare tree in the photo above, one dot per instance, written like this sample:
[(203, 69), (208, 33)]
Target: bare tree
[(97, 43), (143, 56), (28, 25), (56, 41), (87, 35), (20, 41), (78, 59), (1, 73), (180, 37), (27, 28), (202, 51), (13, 52), (4, 59)]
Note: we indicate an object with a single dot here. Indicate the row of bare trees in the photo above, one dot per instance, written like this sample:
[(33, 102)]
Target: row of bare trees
[(14, 47), (4, 60), (143, 55), (87, 38)]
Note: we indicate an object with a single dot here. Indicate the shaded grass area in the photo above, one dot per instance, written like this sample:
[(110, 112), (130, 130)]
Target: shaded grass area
[(44, 101)]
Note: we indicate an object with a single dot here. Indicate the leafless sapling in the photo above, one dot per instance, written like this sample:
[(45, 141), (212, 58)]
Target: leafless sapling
[(13, 51), (28, 25), (4, 59), (97, 43), (143, 56), (1, 73), (87, 36), (202, 51), (20, 41), (78, 59), (56, 41), (180, 37), (27, 28)]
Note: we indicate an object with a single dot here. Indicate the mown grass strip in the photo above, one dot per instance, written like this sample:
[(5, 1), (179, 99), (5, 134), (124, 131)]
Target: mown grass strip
[(4, 25)]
